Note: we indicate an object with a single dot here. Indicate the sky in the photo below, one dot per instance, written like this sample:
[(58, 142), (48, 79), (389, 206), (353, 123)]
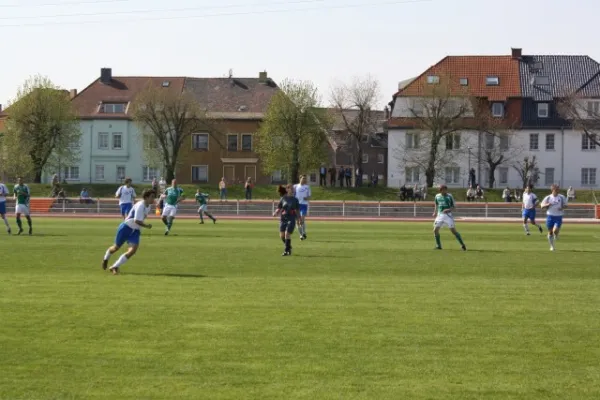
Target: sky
[(324, 41)]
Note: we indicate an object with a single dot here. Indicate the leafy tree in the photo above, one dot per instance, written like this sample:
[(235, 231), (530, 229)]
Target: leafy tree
[(41, 127), (292, 137)]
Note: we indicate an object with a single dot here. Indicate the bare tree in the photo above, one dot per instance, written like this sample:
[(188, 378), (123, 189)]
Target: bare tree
[(438, 116), (355, 104), (584, 116), (528, 171)]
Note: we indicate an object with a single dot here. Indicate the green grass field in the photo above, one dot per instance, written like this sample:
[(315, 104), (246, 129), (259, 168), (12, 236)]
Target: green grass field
[(360, 311)]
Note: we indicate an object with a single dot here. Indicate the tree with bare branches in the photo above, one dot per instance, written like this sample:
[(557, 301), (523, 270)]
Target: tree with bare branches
[(167, 120), (528, 171), (355, 104), (584, 115)]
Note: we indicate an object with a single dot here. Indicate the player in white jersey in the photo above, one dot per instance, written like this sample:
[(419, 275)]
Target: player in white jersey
[(126, 196), (554, 204), (302, 193), (528, 209), (3, 194), (129, 231)]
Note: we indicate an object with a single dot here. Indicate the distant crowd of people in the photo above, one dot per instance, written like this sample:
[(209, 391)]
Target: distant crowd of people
[(343, 177)]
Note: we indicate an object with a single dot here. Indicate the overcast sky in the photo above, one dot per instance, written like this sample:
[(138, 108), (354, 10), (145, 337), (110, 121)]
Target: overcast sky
[(322, 41)]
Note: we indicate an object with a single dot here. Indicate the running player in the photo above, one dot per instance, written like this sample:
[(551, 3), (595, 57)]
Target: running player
[(22, 195), (129, 231), (528, 209), (3, 194), (202, 199), (302, 193), (126, 196), (442, 210), (288, 209), (172, 197), (555, 204)]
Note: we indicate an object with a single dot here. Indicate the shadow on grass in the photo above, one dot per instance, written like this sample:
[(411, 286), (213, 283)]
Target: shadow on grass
[(168, 275), (323, 256), (41, 234)]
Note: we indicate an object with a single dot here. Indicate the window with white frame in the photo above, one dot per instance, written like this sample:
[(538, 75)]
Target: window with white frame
[(71, 173), (117, 141), (365, 158), (232, 142), (277, 177), (593, 108), (548, 176), (200, 141), (534, 141), (550, 141), (103, 140), (504, 142), (588, 176), (543, 110), (453, 141), (452, 175), (464, 81), (433, 79), (113, 108), (380, 158), (588, 143), (492, 81), (149, 173), (412, 174), (121, 173), (99, 174), (247, 142), (503, 175), (199, 173), (498, 110), (412, 140)]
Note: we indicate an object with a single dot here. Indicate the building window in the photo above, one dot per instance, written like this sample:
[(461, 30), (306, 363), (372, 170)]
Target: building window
[(412, 174), (542, 110), (200, 141), (199, 173), (380, 158), (453, 141), (117, 141), (464, 82), (103, 141), (504, 142), (549, 176), (149, 173), (71, 173), (313, 177), (120, 172), (232, 142), (99, 175), (498, 110), (277, 177), (541, 80), (588, 176), (364, 138), (593, 108), (550, 141), (412, 140), (503, 175), (433, 79), (490, 141), (534, 141), (150, 142), (492, 81), (588, 143), (452, 175), (246, 142), (365, 158), (113, 108)]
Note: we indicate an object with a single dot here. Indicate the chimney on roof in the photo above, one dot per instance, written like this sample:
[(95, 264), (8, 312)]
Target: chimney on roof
[(72, 93), (0, 107), (263, 77), (106, 75), (387, 112), (516, 53)]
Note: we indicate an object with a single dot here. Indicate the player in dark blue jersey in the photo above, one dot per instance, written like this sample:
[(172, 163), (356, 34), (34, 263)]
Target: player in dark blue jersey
[(289, 211)]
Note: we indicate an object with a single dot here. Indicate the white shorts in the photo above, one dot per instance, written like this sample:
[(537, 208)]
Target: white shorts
[(444, 219), (169, 211), (21, 209), (203, 208)]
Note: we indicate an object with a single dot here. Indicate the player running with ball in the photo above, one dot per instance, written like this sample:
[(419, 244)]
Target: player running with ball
[(554, 204), (172, 197), (130, 231), (289, 210), (444, 205)]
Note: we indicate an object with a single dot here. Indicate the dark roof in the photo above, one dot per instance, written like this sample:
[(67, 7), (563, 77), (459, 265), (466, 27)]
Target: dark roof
[(380, 140), (566, 75)]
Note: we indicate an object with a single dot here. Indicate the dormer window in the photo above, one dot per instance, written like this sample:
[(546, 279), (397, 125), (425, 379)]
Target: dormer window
[(498, 110), (113, 108), (464, 82), (536, 66), (543, 110), (166, 84), (541, 80), (492, 81), (433, 79)]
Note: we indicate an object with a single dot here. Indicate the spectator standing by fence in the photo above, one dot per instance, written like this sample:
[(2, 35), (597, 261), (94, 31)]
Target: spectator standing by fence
[(223, 189), (248, 188)]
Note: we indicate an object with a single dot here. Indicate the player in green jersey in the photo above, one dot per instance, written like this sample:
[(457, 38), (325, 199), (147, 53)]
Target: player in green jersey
[(202, 199), (22, 194), (444, 205), (172, 196)]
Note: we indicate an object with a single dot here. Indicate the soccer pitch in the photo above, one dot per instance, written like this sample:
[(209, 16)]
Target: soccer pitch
[(360, 311)]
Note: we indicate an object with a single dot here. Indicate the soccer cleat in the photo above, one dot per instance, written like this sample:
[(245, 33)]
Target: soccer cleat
[(9, 231), (551, 248), (214, 221), (540, 228), (286, 253), (527, 233), (115, 270), (304, 237), (104, 264), (437, 248), (301, 237), (30, 231), (201, 222), (20, 231), (463, 247)]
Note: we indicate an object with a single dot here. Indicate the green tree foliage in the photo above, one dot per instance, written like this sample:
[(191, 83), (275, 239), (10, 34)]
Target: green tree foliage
[(41, 129), (292, 137)]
